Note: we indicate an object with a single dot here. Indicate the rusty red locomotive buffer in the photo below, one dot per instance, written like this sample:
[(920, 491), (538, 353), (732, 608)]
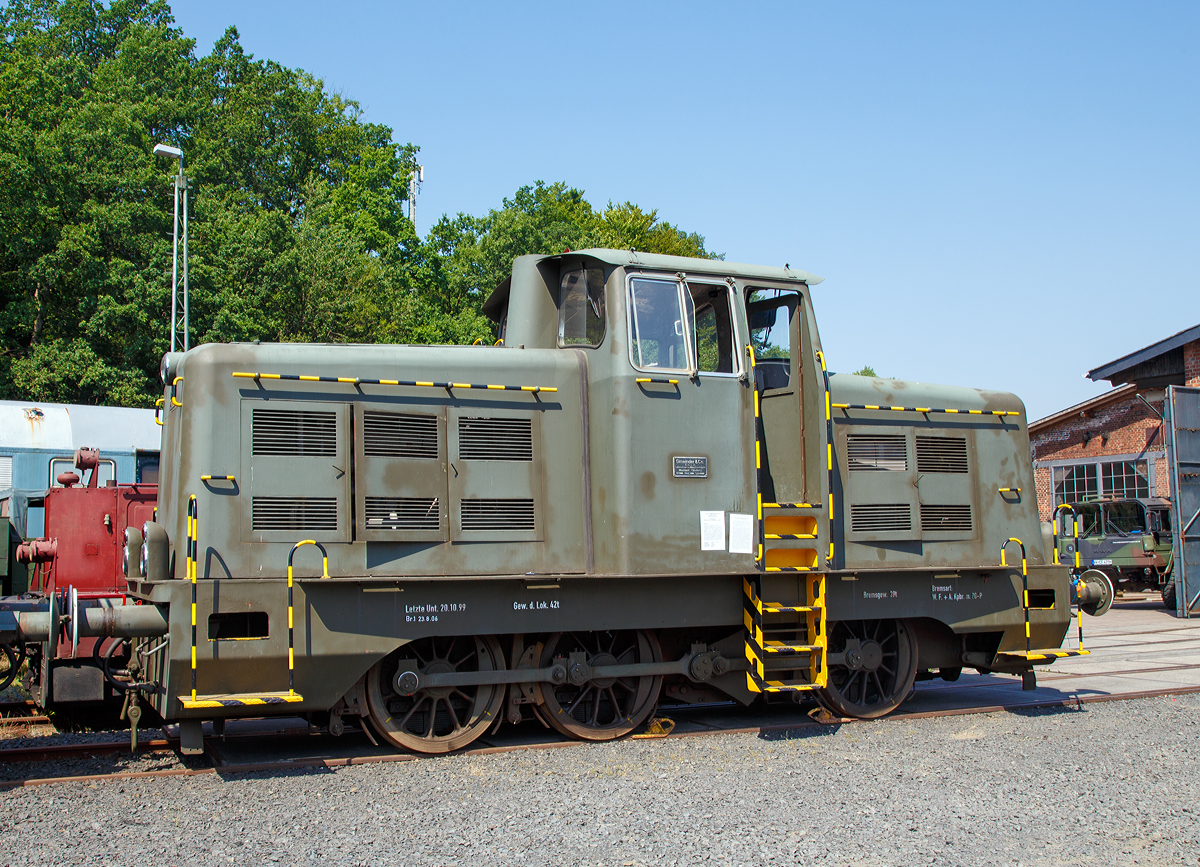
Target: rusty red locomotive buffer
[(72, 623)]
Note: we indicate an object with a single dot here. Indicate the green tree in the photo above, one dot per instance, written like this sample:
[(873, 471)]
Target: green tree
[(866, 370), (297, 224)]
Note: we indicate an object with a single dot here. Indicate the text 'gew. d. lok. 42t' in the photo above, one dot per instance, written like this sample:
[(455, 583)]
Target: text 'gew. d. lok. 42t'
[(652, 491)]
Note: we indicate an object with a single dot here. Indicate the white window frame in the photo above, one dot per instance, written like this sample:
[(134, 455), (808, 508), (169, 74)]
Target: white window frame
[(109, 462), (731, 296), (684, 298)]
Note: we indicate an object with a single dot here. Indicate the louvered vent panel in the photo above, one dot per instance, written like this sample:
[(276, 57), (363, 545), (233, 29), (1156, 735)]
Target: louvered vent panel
[(495, 439), (880, 517), (394, 435), (295, 513), (5, 471), (886, 452), (402, 513), (497, 514), (941, 455), (293, 432), (945, 518)]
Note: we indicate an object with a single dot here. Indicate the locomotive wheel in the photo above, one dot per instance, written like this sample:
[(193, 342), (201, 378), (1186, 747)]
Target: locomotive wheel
[(441, 719), (604, 708), (10, 665), (880, 665)]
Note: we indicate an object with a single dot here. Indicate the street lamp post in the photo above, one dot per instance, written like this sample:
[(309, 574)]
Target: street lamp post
[(180, 183), (415, 178)]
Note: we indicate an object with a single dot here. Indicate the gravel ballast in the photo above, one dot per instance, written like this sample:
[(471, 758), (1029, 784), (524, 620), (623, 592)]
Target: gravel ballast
[(1113, 783)]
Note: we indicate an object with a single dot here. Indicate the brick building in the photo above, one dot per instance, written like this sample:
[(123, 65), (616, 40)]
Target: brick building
[(1113, 445)]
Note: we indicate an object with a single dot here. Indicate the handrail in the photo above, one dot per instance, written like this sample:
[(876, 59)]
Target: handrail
[(210, 478), (175, 390), (324, 574), (358, 380), (1074, 532), (193, 523), (758, 481), (1024, 583), (158, 411), (828, 449)]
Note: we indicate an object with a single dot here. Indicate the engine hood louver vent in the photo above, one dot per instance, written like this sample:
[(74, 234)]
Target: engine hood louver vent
[(497, 514), (941, 455), (402, 513), (396, 435), (877, 452), (955, 519), (880, 517), (295, 513), (495, 439), (295, 433)]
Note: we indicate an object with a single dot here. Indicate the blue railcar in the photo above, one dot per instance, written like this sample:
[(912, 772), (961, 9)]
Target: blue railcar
[(38, 441)]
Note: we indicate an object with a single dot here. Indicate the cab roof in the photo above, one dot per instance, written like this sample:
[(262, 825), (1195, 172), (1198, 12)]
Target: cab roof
[(658, 262)]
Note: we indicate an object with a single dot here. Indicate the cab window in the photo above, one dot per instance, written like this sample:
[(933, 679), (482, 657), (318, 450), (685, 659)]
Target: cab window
[(1089, 519), (770, 317), (581, 308), (1124, 519), (713, 327), (658, 339)]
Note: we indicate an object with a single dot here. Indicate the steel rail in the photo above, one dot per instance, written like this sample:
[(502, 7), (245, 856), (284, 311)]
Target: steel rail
[(794, 725)]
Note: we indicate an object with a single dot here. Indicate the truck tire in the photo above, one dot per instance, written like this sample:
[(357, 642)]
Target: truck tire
[(1168, 595)]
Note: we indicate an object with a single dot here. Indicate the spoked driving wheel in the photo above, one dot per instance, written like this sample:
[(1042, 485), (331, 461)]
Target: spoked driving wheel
[(872, 666), (435, 719), (602, 708)]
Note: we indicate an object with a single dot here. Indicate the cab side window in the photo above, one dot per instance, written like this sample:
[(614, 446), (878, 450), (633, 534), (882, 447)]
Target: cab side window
[(713, 328), (581, 308), (656, 321), (770, 315)]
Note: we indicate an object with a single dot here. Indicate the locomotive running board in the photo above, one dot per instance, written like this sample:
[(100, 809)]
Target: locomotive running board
[(1037, 656), (769, 655), (247, 699)]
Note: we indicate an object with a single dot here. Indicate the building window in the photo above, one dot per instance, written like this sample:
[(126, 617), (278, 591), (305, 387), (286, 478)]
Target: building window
[(1125, 480), (1102, 480), (1075, 484)]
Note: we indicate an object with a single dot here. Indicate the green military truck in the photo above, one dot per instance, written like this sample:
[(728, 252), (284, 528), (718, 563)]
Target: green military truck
[(1128, 540)]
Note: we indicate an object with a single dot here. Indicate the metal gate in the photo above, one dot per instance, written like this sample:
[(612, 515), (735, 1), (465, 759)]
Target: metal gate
[(1183, 463)]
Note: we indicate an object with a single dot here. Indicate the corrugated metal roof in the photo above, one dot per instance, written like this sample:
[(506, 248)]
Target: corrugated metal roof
[(34, 425)]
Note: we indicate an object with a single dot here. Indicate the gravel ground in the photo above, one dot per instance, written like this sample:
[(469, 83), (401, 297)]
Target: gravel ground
[(1111, 783)]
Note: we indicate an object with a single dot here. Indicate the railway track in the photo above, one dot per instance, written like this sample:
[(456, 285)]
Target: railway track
[(1158, 666), (219, 763)]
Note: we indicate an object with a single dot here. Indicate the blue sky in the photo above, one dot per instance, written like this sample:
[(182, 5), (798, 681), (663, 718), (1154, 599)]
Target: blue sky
[(1002, 196)]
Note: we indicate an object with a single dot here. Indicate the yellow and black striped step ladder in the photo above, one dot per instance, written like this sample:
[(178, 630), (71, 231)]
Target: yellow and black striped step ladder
[(786, 643), (245, 699), (1036, 656)]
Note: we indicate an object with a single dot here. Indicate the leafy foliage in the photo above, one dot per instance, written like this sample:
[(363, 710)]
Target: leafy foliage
[(297, 227), (866, 370)]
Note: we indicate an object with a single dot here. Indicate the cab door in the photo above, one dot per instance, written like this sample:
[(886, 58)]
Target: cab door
[(690, 436), (773, 316)]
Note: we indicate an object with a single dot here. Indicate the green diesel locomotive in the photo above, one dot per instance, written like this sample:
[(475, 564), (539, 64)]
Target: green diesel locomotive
[(651, 489)]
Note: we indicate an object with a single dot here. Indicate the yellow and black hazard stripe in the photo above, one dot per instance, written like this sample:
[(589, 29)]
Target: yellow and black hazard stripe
[(414, 383), (248, 700), (828, 451), (926, 409), (190, 570), (756, 680)]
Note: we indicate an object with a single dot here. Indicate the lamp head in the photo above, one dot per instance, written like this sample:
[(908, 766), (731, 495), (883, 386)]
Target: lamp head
[(165, 150)]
